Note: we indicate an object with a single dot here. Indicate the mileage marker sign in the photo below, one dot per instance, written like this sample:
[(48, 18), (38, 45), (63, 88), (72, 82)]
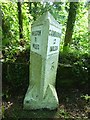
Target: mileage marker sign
[(36, 35), (45, 40), (53, 40)]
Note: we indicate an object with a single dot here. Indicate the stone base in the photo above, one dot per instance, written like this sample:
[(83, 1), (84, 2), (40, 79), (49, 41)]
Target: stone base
[(34, 100)]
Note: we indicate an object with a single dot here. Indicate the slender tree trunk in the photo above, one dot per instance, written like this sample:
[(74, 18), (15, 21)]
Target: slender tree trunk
[(35, 10), (30, 7), (20, 20), (89, 25), (70, 25)]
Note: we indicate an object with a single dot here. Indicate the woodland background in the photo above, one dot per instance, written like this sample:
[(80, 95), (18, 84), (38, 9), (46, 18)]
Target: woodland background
[(74, 58)]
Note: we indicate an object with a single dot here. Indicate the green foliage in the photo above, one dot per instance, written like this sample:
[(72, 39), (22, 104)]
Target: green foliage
[(15, 49), (80, 39), (11, 44), (76, 68), (9, 23), (15, 74), (59, 10), (26, 22), (80, 71), (81, 42), (86, 97)]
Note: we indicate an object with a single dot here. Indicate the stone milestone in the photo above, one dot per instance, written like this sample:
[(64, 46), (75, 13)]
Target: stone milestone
[(45, 42)]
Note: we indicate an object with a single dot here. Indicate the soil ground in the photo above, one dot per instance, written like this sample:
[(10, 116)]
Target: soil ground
[(72, 106)]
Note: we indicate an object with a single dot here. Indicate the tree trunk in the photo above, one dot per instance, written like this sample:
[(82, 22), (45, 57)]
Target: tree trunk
[(30, 7), (20, 20), (70, 25), (35, 10)]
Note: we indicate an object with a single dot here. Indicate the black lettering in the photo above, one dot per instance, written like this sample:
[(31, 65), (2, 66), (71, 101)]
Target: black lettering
[(54, 42), (36, 46), (53, 48), (54, 33), (36, 33)]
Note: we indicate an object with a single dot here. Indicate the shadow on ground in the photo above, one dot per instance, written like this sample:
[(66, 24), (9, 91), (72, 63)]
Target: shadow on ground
[(72, 106)]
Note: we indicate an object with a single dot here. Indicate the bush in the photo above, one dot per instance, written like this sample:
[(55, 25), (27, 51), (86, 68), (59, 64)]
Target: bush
[(73, 70)]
